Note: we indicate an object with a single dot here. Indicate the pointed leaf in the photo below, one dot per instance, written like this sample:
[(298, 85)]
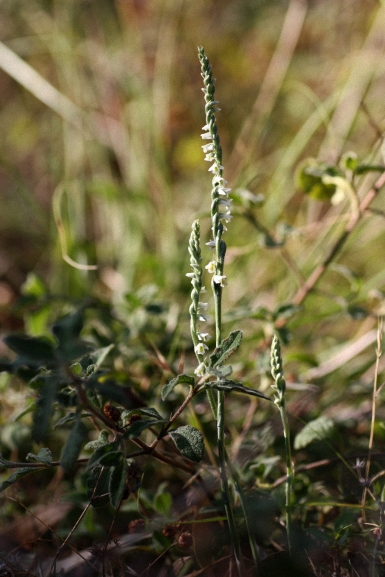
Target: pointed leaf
[(43, 456), (69, 417), (31, 350), (226, 348), (113, 392), (5, 464), (222, 372), (189, 441), (17, 475), (67, 331), (101, 452), (42, 415), (117, 484), (68, 328), (31, 406), (99, 355), (163, 502), (286, 311), (73, 445), (147, 411), (138, 426), (98, 486), (316, 430), (110, 459), (99, 442), (232, 386), (169, 387)]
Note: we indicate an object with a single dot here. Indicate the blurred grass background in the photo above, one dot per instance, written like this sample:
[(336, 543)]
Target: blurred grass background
[(104, 163)]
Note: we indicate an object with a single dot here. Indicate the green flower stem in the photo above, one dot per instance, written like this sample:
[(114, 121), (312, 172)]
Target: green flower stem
[(217, 291), (279, 399), (241, 497), (225, 489), (219, 197), (212, 402), (289, 471)]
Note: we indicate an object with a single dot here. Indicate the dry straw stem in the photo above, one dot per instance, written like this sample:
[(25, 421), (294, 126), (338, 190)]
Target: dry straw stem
[(365, 64), (32, 81), (374, 399)]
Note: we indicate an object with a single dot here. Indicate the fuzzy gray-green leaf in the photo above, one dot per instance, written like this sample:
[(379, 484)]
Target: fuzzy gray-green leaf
[(43, 456), (36, 351), (42, 415), (189, 441), (169, 387), (100, 452), (149, 412), (98, 486), (138, 426), (226, 348), (230, 386), (73, 445), (16, 476), (316, 430), (99, 442), (69, 417), (117, 484)]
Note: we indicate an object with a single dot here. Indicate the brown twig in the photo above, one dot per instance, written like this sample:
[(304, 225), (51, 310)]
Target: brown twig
[(174, 417), (332, 461), (78, 381), (355, 218)]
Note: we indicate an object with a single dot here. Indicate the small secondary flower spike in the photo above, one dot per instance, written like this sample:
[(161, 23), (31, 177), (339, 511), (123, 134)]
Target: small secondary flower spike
[(277, 371), (279, 399), (196, 306)]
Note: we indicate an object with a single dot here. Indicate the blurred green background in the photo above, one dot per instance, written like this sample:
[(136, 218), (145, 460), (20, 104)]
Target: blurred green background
[(104, 163)]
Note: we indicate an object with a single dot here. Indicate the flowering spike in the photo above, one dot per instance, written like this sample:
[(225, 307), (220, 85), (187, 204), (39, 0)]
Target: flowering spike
[(277, 369), (196, 280)]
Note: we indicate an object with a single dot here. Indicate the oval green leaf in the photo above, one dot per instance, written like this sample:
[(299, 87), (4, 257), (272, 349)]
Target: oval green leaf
[(189, 441)]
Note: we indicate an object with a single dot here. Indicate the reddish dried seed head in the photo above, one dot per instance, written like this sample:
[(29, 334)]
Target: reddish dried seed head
[(113, 413), (133, 418), (136, 526), (170, 531), (185, 540)]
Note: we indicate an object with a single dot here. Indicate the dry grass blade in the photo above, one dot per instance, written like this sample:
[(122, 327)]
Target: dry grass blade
[(32, 81), (252, 128)]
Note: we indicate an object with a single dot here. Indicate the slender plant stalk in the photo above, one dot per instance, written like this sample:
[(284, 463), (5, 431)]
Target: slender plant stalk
[(374, 400), (242, 500), (379, 534), (279, 399)]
